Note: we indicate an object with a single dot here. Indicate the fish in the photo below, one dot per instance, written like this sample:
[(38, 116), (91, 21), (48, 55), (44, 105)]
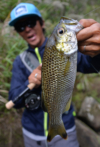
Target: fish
[(59, 66)]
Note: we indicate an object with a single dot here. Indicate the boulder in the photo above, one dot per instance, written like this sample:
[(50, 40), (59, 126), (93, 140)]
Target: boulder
[(90, 113), (86, 136)]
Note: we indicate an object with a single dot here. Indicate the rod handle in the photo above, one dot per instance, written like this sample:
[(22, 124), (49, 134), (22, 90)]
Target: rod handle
[(31, 86), (9, 104)]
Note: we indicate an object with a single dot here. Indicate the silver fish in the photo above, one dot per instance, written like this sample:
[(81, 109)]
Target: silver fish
[(58, 74)]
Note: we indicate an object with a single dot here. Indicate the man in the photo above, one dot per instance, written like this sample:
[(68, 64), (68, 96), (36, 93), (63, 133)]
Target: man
[(28, 22)]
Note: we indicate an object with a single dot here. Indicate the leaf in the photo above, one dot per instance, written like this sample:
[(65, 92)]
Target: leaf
[(80, 86)]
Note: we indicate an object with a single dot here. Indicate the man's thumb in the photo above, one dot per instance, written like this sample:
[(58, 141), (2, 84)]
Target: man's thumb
[(40, 66)]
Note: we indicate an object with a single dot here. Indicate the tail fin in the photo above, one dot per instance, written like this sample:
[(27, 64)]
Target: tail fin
[(57, 130)]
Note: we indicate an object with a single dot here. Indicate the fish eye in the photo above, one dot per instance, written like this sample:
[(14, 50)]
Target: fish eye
[(60, 31)]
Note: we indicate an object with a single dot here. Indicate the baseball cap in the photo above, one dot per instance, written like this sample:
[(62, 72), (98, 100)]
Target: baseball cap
[(22, 10)]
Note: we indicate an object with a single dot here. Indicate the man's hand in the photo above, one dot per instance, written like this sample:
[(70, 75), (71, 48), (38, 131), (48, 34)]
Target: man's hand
[(89, 37), (35, 76)]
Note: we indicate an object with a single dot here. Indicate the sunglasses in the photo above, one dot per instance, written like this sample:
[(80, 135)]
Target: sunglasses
[(20, 27)]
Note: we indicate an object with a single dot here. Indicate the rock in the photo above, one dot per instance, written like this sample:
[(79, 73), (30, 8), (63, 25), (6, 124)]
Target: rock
[(86, 136), (89, 112)]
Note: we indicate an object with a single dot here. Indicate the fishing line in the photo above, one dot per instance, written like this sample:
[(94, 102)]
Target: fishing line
[(90, 12), (96, 69)]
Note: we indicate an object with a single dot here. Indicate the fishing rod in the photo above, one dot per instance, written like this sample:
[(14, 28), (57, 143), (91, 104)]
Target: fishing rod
[(11, 103)]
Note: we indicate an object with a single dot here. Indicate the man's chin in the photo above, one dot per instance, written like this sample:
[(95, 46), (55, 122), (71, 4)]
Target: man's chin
[(35, 43)]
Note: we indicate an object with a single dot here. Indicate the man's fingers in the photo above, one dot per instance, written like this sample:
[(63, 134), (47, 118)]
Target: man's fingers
[(83, 35), (87, 22), (89, 37), (94, 39), (88, 32), (88, 48), (37, 81), (38, 77), (35, 76)]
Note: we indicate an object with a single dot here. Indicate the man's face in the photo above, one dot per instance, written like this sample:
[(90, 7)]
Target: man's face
[(31, 31)]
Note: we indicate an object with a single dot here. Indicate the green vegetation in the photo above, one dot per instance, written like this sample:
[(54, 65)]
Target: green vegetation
[(11, 45), (51, 10)]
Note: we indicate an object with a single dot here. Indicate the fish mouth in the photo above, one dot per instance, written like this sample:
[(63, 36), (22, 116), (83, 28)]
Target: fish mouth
[(71, 24), (69, 21)]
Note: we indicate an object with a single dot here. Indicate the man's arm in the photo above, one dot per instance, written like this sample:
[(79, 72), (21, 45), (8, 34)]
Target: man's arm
[(18, 81), (21, 78)]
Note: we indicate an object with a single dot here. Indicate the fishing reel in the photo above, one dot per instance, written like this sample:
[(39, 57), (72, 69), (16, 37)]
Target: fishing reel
[(32, 101)]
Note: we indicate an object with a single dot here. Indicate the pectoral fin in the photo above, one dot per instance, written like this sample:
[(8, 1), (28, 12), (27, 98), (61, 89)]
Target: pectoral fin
[(68, 105), (43, 105), (67, 67)]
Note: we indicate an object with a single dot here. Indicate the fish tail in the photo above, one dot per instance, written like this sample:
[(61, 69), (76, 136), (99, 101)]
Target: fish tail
[(57, 130)]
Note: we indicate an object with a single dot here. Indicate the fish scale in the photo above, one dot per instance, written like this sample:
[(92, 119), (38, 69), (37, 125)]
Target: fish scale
[(57, 82), (58, 75)]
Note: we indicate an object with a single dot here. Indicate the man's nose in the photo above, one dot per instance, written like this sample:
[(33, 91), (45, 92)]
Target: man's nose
[(27, 28)]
